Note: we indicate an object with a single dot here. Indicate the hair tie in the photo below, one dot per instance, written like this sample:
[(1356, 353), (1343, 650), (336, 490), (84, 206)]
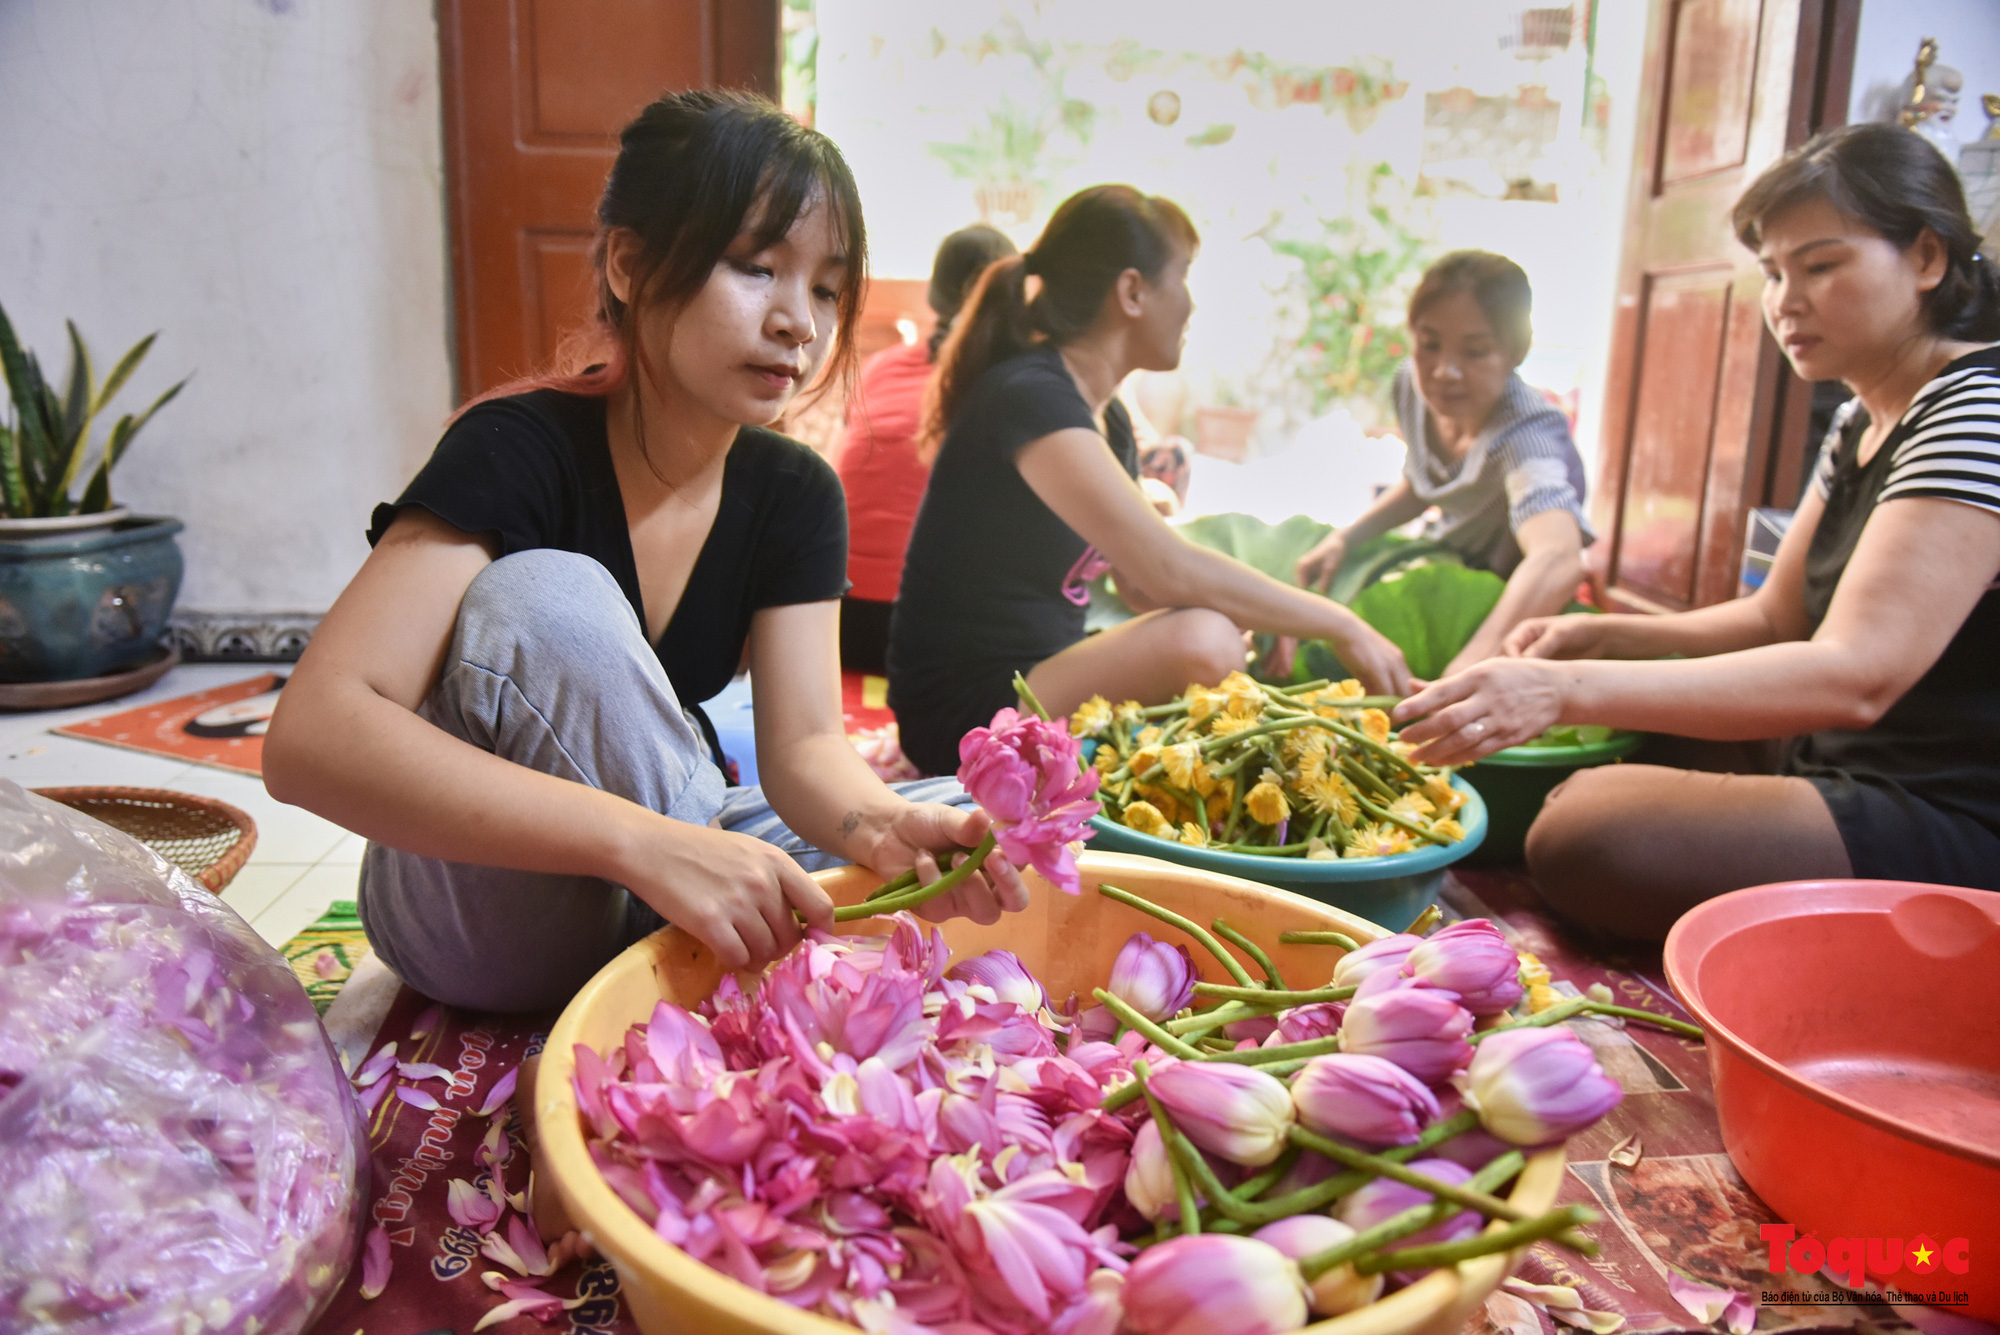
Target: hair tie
[(1028, 262)]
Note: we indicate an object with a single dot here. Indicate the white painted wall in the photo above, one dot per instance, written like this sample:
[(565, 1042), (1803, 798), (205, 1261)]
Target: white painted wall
[(261, 181), (1968, 35)]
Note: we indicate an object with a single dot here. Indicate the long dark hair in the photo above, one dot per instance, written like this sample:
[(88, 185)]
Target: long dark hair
[(961, 258), (1094, 236), (694, 170), (1896, 184)]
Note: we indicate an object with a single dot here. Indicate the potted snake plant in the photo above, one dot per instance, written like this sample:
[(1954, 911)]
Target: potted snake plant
[(85, 585)]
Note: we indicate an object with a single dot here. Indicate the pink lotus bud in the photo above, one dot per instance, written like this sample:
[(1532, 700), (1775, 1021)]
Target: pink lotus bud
[(1152, 977), (1149, 1178), (1387, 953), (1237, 1112), (1472, 959), (1370, 1204), (1535, 1086), (1418, 1028), (1214, 1282), (1369, 1100), (1257, 1029), (1337, 1291), (1002, 971), (1304, 1024)]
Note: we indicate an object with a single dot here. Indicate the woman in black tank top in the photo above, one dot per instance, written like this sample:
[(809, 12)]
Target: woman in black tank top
[(1874, 640)]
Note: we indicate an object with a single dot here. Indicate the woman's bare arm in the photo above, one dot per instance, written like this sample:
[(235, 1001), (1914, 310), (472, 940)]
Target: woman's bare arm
[(827, 794), (1543, 584), (1876, 641), (1076, 475), (346, 742)]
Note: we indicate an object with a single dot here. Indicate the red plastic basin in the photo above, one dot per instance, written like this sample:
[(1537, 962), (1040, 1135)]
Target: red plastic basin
[(1854, 1039)]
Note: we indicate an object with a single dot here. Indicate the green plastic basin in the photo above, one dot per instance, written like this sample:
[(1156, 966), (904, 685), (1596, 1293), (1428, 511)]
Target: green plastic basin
[(1516, 781), (1389, 892)]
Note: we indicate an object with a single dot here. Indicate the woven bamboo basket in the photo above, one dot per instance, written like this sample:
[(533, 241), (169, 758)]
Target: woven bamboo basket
[(207, 839)]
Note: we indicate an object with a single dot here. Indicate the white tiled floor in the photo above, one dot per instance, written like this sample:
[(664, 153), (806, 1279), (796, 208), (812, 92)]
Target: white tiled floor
[(301, 863)]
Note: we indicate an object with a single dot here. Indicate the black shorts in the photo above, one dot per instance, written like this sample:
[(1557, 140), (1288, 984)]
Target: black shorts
[(1893, 835)]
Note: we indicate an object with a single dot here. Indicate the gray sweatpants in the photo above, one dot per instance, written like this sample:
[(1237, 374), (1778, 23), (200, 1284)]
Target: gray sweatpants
[(549, 667)]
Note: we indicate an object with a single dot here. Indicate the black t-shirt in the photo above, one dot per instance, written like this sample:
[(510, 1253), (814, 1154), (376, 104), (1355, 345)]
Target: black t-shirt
[(993, 581), (535, 471), (1940, 743)]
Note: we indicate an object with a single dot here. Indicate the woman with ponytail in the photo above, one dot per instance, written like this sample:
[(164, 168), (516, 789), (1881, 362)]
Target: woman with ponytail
[(506, 698), (1873, 642), (1032, 496)]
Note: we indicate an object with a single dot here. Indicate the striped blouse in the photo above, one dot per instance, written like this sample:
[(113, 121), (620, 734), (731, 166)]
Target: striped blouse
[(1951, 441), (1521, 464)]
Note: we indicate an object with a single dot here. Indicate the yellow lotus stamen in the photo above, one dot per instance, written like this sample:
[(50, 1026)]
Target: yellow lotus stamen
[(1266, 803), (1091, 717), (1146, 819)]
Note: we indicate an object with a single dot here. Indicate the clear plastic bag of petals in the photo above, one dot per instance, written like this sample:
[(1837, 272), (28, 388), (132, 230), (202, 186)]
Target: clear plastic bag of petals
[(179, 1149)]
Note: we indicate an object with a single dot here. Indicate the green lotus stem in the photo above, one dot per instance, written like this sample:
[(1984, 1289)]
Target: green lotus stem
[(1193, 929), (1235, 813), (1027, 697), (1555, 1014), (1354, 735), (910, 899), (1341, 939), (1182, 1153), (1362, 777), (1383, 814), (1264, 850), (1551, 1225), (1264, 996), (1281, 1069), (1250, 1188), (1183, 1188), (1490, 1206), (1666, 1022), (1154, 1034), (1323, 1194), (895, 887), (1422, 924), (1413, 1220), (1203, 1021), (1157, 711), (1282, 1052), (1250, 948)]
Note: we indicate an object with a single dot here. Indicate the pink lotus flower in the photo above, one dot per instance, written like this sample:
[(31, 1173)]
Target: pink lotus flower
[(1154, 978), (1035, 1243), (1369, 1100), (1101, 1309), (1470, 959), (1237, 1112), (1373, 1202), (1304, 1024), (1214, 1282), (1003, 972), (1536, 1086), (375, 1262), (1149, 1179), (1387, 953), (1420, 1029), (1338, 1290), (1023, 772)]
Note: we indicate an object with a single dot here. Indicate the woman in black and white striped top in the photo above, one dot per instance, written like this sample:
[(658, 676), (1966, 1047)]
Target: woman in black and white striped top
[(1875, 643)]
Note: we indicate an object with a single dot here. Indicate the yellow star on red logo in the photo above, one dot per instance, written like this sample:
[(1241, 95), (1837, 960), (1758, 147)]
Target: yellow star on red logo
[(1921, 1255)]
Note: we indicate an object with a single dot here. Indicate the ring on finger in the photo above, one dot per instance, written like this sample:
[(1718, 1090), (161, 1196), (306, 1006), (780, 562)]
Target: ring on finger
[(1476, 727)]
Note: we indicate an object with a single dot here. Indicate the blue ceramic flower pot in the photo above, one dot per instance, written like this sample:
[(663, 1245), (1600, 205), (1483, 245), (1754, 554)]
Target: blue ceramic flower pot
[(86, 604), (1390, 892)]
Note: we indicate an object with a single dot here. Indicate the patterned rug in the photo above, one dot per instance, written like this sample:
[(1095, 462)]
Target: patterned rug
[(324, 954)]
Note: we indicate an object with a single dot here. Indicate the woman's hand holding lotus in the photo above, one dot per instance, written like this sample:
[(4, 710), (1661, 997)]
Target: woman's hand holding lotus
[(918, 834)]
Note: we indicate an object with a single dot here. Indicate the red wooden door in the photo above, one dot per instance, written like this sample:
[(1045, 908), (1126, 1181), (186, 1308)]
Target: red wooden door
[(1703, 419), (535, 92)]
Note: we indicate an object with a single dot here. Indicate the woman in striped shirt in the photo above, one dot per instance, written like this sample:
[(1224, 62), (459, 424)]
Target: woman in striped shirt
[(1875, 640), (1490, 453)]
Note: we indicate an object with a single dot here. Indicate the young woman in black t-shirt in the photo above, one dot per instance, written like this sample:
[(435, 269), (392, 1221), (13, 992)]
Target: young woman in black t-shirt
[(1032, 496), (1875, 638), (577, 567)]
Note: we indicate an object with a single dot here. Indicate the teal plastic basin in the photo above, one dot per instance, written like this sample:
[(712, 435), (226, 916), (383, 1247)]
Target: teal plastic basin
[(1516, 782), (1389, 892)]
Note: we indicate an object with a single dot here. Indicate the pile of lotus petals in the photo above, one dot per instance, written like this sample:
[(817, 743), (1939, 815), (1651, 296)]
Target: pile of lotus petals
[(879, 1134), (1308, 771)]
